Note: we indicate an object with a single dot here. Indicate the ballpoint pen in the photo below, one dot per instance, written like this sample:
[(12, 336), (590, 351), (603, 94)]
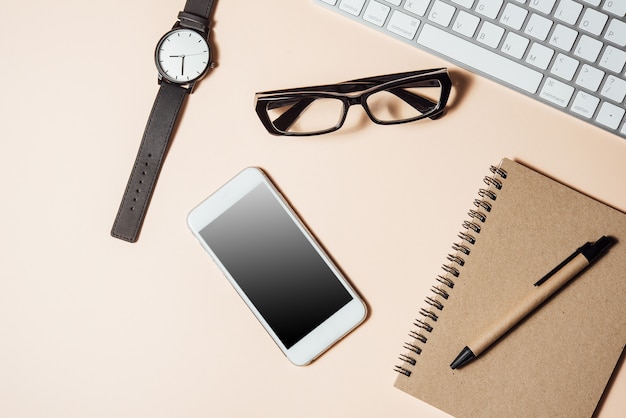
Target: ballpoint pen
[(545, 287)]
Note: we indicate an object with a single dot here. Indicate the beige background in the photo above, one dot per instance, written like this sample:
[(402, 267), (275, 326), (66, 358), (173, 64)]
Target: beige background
[(91, 326)]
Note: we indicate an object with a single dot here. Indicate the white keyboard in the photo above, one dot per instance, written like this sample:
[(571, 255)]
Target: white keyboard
[(570, 54)]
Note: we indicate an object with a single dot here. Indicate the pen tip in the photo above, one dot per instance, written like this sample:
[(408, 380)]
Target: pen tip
[(464, 357)]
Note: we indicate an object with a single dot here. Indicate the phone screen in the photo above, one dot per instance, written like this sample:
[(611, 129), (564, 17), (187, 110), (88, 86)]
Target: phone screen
[(275, 265)]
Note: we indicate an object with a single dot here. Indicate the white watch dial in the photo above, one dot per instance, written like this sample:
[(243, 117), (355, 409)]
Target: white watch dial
[(182, 56)]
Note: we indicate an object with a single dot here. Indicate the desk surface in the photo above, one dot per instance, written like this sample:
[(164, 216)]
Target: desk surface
[(96, 327)]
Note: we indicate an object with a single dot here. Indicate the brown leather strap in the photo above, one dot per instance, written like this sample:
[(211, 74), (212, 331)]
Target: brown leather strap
[(152, 151)]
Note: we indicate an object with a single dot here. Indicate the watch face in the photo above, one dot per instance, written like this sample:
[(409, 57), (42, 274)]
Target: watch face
[(182, 56)]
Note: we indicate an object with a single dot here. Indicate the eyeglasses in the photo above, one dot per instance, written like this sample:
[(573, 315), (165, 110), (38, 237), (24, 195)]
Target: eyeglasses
[(387, 100)]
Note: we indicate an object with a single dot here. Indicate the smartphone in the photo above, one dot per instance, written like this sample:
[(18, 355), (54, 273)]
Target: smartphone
[(280, 271)]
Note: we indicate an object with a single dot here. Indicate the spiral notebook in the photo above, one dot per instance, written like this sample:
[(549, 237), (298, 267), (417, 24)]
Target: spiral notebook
[(556, 362)]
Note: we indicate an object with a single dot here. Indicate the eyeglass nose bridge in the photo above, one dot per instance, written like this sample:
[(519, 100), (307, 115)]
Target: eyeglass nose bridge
[(359, 99), (349, 101), (355, 100)]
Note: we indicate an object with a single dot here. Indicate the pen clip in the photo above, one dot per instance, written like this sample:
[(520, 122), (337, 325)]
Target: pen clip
[(563, 263)]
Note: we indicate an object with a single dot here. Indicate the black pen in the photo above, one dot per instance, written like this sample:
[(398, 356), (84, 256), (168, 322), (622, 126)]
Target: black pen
[(559, 276)]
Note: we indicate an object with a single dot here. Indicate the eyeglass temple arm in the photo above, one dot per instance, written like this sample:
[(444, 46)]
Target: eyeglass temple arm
[(284, 121)]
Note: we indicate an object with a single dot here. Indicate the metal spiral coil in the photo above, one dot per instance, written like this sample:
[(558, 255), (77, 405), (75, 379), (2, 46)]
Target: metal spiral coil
[(445, 280), (482, 204), (478, 215), (487, 194), (440, 292), (456, 259), (492, 181), (472, 225), (460, 248), (472, 228), (467, 237), (498, 171), (418, 337), (423, 325)]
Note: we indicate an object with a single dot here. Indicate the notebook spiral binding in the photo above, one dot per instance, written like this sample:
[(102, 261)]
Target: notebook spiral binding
[(442, 290)]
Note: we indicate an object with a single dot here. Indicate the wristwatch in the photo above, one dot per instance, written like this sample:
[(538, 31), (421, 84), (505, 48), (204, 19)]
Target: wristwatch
[(182, 57)]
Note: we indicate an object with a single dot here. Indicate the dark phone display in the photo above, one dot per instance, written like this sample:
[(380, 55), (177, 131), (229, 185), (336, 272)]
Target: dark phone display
[(275, 265)]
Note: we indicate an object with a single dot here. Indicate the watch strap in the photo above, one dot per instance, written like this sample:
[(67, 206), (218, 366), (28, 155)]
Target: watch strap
[(199, 7), (196, 15), (152, 151)]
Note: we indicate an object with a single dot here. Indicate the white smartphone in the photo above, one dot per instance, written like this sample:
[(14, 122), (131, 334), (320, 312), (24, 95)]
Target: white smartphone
[(279, 270)]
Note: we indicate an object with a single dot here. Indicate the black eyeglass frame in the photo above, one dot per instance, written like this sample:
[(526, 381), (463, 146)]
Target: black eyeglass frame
[(352, 93)]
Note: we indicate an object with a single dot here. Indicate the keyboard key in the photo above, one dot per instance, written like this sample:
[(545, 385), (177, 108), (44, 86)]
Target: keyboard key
[(556, 92), (513, 16), (394, 2), (568, 11), (592, 2), (588, 48), (616, 32), (616, 7), (515, 45), (465, 3), (466, 24), (353, 7), (490, 34), (403, 25), (585, 104), (544, 6), (564, 67), (593, 21), (479, 58), (441, 13), (590, 77), (539, 56), (417, 6), (489, 8), (610, 115), (538, 27), (613, 59), (376, 13), (563, 37), (614, 88)]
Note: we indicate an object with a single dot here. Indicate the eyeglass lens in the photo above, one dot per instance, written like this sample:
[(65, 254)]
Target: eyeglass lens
[(404, 103), (310, 114), (306, 114)]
